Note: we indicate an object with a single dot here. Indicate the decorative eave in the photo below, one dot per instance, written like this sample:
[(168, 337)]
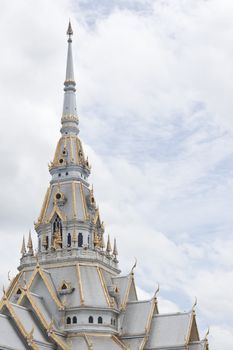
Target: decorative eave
[(126, 296), (28, 337), (39, 270), (48, 327)]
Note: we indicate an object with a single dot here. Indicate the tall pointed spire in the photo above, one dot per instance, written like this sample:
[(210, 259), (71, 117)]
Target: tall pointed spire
[(69, 115), (69, 64)]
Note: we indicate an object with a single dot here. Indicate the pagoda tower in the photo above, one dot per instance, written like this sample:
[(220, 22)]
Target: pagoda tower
[(69, 293)]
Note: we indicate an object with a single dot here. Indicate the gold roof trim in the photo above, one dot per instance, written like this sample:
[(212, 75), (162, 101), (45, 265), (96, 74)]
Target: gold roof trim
[(126, 296), (80, 284), (83, 201), (119, 342), (110, 301), (27, 336), (45, 205), (45, 324), (57, 211), (74, 200), (192, 322), (39, 271)]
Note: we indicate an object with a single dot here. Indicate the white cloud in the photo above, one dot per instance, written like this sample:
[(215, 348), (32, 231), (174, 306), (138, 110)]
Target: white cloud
[(154, 95)]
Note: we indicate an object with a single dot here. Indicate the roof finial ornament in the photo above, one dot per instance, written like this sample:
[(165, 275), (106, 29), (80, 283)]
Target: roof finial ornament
[(157, 290), (134, 266), (9, 275), (207, 333), (69, 31), (194, 305)]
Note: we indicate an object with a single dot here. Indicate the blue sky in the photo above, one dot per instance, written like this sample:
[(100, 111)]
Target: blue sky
[(154, 91)]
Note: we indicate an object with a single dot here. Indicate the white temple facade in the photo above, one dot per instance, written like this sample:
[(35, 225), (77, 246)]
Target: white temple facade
[(70, 294)]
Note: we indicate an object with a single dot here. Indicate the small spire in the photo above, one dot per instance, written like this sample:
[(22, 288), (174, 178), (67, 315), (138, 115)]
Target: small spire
[(23, 249), (115, 251), (102, 244), (109, 248), (30, 244)]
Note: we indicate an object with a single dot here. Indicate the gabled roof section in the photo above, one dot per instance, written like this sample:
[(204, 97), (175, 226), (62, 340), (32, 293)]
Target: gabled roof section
[(170, 330), (27, 336), (46, 280), (9, 337), (92, 287), (137, 318), (45, 319), (126, 289)]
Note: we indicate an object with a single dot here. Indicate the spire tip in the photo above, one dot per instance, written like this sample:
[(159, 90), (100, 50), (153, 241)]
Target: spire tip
[(69, 30)]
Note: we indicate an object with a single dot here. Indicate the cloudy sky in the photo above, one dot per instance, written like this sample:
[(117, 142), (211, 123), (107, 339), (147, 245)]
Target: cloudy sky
[(154, 89)]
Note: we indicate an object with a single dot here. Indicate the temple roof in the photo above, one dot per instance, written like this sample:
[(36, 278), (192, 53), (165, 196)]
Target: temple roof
[(69, 293)]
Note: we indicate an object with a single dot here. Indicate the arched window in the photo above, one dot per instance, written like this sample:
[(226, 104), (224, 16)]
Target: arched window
[(90, 320), (114, 322), (68, 320), (100, 319), (57, 226), (88, 240), (74, 319), (80, 239), (69, 240)]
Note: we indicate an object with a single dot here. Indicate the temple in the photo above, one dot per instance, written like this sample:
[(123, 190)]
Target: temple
[(69, 293)]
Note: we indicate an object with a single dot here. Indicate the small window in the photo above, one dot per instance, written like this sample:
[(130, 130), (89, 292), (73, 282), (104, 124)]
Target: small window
[(90, 320), (74, 319), (68, 320), (59, 174), (61, 161), (69, 240), (19, 291), (100, 319), (80, 239), (67, 173), (114, 322), (64, 286)]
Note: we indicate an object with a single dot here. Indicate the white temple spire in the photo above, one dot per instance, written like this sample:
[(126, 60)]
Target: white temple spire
[(69, 114), (69, 64)]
